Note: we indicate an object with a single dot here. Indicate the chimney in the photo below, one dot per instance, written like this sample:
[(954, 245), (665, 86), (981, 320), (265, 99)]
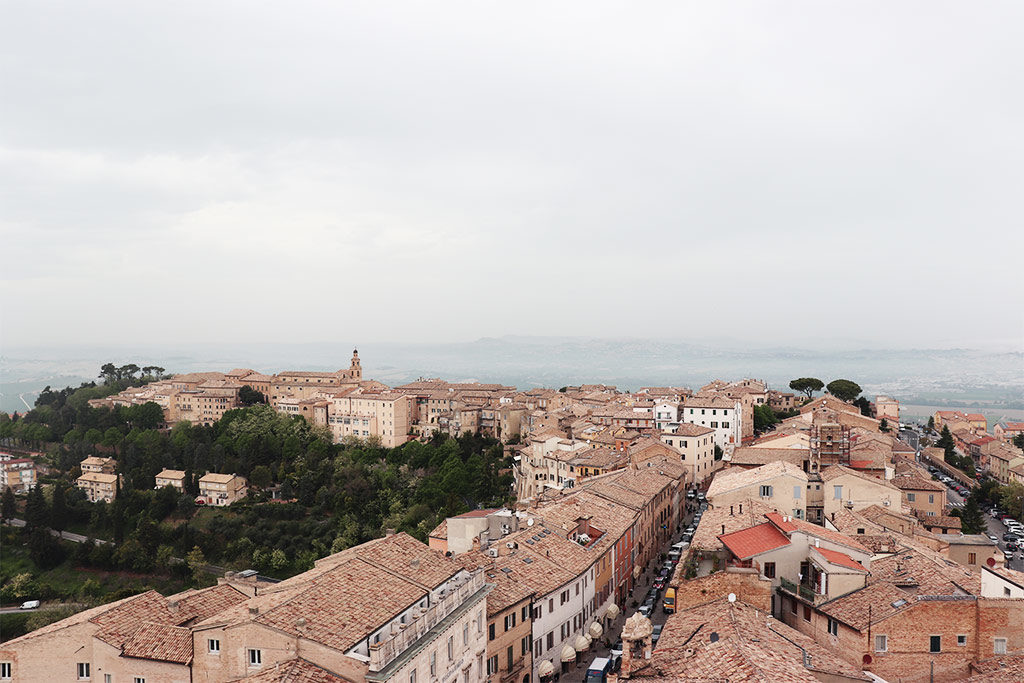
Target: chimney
[(730, 510), (389, 532), (741, 508), (254, 611)]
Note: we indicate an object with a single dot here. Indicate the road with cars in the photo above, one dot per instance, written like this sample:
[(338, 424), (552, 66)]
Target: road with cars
[(649, 600)]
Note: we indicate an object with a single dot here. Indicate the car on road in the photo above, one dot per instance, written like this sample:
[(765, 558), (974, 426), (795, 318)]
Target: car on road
[(1008, 536), (29, 604), (656, 635), (1007, 555), (992, 537), (615, 654), (660, 582), (647, 608), (598, 670), (1012, 546)]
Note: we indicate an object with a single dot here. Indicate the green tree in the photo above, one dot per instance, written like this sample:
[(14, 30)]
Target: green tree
[(196, 561), (807, 385), (844, 389), (883, 426), (1012, 498), (59, 508), (248, 396), (8, 505), (718, 452), (764, 418), (931, 422), (37, 514), (278, 560), (1018, 441), (971, 519), (260, 476)]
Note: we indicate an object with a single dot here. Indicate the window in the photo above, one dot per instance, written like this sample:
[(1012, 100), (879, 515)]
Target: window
[(972, 558), (911, 497), (769, 570), (881, 643), (465, 634), (140, 679), (480, 621), (931, 497), (412, 676), (837, 492), (935, 644), (433, 663), (490, 632), (255, 657), (766, 491), (961, 640), (792, 605), (833, 627), (108, 678), (725, 425), (213, 646), (525, 614), (807, 612), (83, 671), (714, 425), (492, 665), (508, 653), (551, 639), (999, 646), (451, 648), (5, 671), (525, 642), (796, 492)]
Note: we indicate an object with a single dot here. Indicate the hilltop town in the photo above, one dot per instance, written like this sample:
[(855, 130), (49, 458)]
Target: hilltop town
[(731, 532)]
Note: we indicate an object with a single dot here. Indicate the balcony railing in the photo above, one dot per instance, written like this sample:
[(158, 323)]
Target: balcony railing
[(404, 635), (805, 592)]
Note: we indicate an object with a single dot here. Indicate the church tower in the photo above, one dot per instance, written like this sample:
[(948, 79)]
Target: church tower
[(355, 370)]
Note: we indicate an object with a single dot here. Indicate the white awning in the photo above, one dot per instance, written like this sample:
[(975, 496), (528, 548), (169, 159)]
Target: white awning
[(568, 654), (613, 611), (596, 630), (546, 668), (581, 644)]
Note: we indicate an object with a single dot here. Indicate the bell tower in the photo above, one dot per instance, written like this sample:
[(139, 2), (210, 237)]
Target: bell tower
[(355, 370)]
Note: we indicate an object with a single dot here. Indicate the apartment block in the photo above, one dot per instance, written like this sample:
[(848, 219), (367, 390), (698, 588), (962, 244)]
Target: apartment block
[(221, 489)]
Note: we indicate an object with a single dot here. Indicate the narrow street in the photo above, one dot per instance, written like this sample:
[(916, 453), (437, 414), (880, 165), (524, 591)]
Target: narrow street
[(602, 646)]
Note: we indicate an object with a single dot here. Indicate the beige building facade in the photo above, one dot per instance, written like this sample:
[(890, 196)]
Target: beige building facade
[(221, 489)]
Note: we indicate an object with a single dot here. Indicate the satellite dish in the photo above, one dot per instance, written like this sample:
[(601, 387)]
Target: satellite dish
[(732, 597), (529, 522)]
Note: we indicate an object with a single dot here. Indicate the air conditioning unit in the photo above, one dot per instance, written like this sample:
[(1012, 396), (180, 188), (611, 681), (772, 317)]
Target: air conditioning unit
[(493, 552), (510, 545), (885, 503), (505, 528)]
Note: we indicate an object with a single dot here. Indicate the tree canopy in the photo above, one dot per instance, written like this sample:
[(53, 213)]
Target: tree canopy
[(844, 389), (807, 385)]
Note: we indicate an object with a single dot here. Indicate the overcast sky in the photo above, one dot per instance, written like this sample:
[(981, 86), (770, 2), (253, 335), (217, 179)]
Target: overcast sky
[(443, 171)]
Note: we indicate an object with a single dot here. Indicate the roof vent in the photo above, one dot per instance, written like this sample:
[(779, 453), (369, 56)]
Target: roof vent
[(714, 637)]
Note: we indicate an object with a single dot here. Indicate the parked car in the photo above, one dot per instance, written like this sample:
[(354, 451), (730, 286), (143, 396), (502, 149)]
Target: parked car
[(599, 669), (616, 655), (669, 604), (656, 635), (1007, 555), (647, 608), (659, 582), (1012, 546), (1009, 536)]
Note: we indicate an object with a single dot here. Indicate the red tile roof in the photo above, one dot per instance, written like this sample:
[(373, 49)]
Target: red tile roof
[(161, 642), (842, 559), (758, 539)]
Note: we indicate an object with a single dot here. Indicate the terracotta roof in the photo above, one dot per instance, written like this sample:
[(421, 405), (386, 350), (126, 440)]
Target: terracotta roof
[(842, 559), (161, 642), (747, 543), (791, 524), (998, 670), (745, 647), (293, 671), (338, 610)]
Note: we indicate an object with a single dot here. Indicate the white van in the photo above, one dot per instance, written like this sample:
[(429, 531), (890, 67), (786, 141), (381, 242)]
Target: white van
[(30, 604)]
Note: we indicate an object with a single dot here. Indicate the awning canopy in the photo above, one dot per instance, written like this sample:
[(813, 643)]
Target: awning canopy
[(613, 611), (581, 644), (636, 572), (546, 668), (596, 630), (568, 654)]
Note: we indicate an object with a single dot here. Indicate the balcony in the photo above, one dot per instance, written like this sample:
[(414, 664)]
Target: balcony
[(405, 636), (805, 593)]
